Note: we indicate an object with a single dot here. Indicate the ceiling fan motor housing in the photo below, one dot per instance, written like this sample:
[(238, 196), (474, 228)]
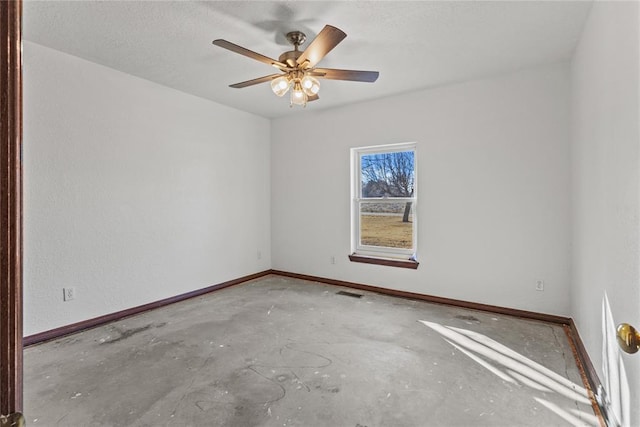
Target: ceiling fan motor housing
[(290, 58), (296, 38)]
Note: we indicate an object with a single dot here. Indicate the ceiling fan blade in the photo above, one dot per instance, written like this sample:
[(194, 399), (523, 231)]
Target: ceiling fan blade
[(352, 75), (255, 81), (249, 53), (313, 98), (326, 40)]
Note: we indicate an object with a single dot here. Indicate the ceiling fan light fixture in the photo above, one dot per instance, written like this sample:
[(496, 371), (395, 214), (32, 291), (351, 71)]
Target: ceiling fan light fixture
[(310, 85), (280, 85), (298, 96)]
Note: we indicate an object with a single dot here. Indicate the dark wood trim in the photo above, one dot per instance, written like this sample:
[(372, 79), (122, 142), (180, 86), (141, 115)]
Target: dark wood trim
[(582, 354), (402, 263), (11, 207), (101, 320), (587, 371), (551, 318)]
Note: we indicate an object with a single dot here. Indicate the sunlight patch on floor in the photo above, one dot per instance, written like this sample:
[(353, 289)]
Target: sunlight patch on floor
[(511, 366)]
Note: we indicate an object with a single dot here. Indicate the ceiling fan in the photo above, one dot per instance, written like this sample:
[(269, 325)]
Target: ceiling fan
[(298, 70)]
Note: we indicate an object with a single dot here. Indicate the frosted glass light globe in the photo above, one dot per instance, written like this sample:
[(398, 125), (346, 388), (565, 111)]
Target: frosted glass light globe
[(280, 85), (298, 96), (310, 85)]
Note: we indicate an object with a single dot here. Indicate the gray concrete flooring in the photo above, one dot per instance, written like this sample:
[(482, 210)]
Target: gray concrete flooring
[(284, 352)]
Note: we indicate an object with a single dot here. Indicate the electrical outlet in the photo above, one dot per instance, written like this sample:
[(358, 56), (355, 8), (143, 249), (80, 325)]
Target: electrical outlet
[(259, 255), (539, 285), (332, 260), (68, 294)]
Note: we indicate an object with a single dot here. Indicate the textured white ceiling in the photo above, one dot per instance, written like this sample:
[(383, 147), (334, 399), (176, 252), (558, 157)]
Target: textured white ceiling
[(413, 44)]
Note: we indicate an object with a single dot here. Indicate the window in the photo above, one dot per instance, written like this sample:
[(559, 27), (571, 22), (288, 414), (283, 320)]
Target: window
[(384, 221)]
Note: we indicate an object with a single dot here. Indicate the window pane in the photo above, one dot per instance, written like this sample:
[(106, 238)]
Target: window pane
[(387, 174), (386, 224)]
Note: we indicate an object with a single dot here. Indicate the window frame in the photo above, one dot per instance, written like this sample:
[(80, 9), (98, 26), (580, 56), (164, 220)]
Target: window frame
[(368, 253)]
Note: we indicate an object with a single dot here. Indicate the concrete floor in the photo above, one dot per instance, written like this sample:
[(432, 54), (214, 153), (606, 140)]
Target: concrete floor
[(284, 352)]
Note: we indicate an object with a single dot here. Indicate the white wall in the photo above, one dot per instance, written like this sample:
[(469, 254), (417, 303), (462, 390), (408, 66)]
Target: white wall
[(605, 186), (134, 192), (493, 189)]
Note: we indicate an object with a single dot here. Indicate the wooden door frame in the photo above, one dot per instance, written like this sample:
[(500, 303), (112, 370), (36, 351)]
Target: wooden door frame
[(11, 213)]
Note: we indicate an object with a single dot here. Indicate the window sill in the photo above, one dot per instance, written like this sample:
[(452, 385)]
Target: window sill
[(385, 261)]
